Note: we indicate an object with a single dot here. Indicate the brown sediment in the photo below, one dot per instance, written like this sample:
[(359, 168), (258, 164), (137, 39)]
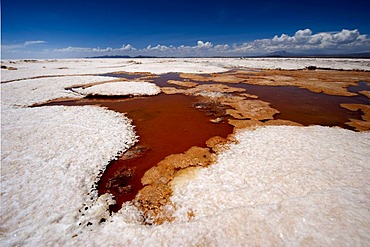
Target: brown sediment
[(203, 89), (154, 198), (194, 77), (149, 77), (211, 107), (221, 78), (330, 82), (253, 124), (8, 68), (355, 107), (366, 93), (218, 143), (245, 124), (249, 109), (360, 125), (172, 90), (183, 83), (293, 102), (165, 169), (247, 95), (277, 122)]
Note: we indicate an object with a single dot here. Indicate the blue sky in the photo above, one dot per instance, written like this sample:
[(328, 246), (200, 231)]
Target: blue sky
[(55, 29)]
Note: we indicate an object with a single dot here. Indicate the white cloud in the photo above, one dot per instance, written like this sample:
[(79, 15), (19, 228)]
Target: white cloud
[(75, 49), (21, 50), (22, 45), (306, 41), (127, 47), (206, 45), (303, 41), (34, 42)]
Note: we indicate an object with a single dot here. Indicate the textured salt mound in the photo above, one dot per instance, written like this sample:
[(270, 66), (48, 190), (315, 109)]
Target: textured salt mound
[(41, 90), (50, 159), (121, 88)]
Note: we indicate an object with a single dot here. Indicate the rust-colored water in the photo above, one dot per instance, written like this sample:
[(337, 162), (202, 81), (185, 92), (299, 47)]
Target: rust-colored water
[(165, 124), (306, 107), (169, 124)]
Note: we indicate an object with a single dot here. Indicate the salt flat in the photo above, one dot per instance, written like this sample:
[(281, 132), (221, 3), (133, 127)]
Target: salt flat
[(275, 185), (64, 67)]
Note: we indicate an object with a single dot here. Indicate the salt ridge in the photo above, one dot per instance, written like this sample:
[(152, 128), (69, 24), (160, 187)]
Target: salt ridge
[(37, 91), (135, 88)]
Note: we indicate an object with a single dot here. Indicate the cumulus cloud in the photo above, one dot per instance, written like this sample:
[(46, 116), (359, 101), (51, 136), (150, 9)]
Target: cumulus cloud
[(127, 47), (303, 41), (205, 45), (306, 41)]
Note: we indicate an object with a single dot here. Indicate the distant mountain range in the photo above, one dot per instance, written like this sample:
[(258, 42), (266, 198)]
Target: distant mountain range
[(276, 54)]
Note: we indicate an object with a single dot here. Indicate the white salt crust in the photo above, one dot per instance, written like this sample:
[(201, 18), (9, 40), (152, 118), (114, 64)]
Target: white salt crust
[(60, 67), (283, 186), (63, 67), (50, 160), (134, 88), (295, 63), (38, 91), (278, 185)]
